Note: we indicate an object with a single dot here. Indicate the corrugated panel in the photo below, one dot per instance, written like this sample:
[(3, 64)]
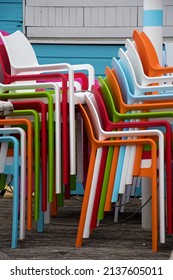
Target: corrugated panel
[(95, 21), (81, 20)]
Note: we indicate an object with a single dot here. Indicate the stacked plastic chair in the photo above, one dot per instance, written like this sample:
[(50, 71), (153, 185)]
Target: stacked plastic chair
[(133, 98), (157, 101), (150, 70), (148, 55), (98, 138), (111, 119), (52, 93), (11, 166), (26, 63), (53, 72)]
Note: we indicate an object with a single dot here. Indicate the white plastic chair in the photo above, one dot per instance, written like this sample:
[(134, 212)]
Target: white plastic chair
[(135, 87), (141, 77), (133, 92), (23, 61), (125, 76)]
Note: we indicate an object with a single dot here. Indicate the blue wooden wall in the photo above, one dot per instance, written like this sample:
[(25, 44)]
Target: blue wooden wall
[(97, 55), (11, 19), (11, 15)]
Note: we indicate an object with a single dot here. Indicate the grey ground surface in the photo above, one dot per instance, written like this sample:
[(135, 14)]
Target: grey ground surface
[(113, 241)]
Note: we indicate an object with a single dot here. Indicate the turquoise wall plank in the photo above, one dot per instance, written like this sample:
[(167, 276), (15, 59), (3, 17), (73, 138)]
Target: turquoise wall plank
[(98, 55), (11, 26), (11, 15), (77, 50), (11, 11)]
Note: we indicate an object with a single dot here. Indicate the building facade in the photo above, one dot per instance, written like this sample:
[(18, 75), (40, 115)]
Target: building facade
[(79, 31)]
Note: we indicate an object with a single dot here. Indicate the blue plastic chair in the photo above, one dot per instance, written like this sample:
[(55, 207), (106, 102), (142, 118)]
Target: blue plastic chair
[(15, 173), (7, 168), (126, 79)]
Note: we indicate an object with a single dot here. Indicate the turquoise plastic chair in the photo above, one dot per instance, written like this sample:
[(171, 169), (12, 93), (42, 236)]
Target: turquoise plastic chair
[(9, 169), (15, 173), (130, 93)]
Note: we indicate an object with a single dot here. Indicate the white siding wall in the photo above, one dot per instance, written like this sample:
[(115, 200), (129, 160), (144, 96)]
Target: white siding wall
[(95, 21)]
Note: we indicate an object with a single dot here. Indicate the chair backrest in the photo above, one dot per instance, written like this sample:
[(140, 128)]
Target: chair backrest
[(128, 71), (146, 51), (101, 107), (135, 61), (87, 122), (19, 50), (108, 100), (4, 64), (122, 81), (95, 116), (114, 87), (4, 33), (4, 61)]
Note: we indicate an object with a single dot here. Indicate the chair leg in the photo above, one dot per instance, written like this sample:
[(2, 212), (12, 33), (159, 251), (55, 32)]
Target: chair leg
[(15, 195), (85, 199), (153, 175), (105, 183), (92, 193), (111, 180), (98, 189)]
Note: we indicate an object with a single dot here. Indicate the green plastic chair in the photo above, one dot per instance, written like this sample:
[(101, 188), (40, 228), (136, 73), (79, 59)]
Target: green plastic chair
[(36, 125), (15, 173), (51, 149)]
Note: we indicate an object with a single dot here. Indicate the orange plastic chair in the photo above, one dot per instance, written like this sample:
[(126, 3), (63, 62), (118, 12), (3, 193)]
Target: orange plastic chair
[(94, 145), (103, 133), (148, 55), (122, 108)]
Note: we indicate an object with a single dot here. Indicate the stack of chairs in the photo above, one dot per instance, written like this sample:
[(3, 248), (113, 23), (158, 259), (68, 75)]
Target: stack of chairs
[(50, 92), (121, 116), (127, 94)]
